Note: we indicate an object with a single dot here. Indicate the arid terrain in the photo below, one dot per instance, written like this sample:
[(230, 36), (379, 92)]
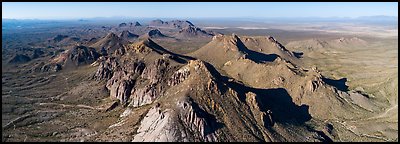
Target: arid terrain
[(174, 80)]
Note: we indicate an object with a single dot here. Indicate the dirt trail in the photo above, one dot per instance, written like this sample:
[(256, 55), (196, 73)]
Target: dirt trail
[(74, 106), (384, 114)]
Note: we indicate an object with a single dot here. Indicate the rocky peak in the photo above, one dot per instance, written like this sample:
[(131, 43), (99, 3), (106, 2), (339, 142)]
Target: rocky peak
[(135, 24)]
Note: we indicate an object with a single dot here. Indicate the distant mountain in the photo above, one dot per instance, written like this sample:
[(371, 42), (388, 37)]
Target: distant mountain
[(378, 18), (192, 31), (173, 23), (135, 24), (122, 25), (154, 33), (186, 29), (127, 35), (63, 40), (315, 44), (131, 24)]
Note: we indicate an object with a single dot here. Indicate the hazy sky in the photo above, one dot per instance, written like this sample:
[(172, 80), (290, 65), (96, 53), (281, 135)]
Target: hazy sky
[(68, 10)]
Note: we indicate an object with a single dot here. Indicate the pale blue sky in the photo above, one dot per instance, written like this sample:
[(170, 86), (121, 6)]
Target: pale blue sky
[(71, 10)]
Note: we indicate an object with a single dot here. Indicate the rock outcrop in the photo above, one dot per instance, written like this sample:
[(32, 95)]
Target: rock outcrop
[(155, 72), (315, 83), (105, 69), (197, 121), (146, 95), (179, 76), (263, 118), (157, 127), (153, 90), (122, 81), (164, 125), (120, 86)]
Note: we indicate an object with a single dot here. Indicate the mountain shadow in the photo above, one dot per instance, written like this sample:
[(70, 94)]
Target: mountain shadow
[(339, 84), (280, 103), (255, 56), (298, 54), (159, 49)]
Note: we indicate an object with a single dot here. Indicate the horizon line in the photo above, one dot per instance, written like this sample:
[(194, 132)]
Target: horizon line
[(241, 17)]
